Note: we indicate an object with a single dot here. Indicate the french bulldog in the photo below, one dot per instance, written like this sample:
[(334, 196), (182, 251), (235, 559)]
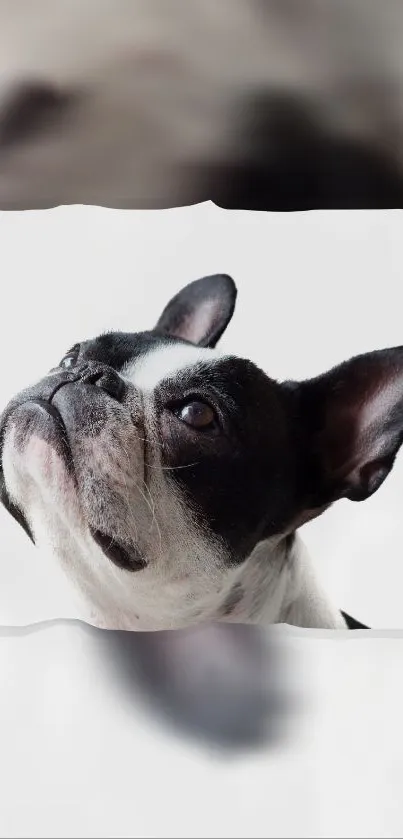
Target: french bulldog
[(169, 480)]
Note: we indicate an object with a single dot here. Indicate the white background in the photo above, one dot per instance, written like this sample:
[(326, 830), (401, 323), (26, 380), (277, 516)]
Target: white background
[(77, 758)]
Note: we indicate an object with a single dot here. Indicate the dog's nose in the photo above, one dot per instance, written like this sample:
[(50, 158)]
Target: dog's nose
[(107, 379)]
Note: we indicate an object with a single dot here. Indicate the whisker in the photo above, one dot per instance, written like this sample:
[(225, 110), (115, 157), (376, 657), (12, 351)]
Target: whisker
[(154, 515), (171, 468), (150, 504), (164, 468), (127, 499)]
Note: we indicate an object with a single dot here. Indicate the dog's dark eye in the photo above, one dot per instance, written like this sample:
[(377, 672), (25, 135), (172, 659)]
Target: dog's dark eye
[(198, 415), (70, 358)]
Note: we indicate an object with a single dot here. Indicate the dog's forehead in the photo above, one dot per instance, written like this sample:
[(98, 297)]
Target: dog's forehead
[(147, 359), (161, 363)]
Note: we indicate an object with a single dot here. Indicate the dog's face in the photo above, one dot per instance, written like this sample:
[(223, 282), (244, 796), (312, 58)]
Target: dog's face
[(141, 463), (152, 467)]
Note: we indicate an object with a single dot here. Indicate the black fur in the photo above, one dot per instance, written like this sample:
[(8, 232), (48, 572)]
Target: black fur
[(185, 315), (352, 623), (241, 480)]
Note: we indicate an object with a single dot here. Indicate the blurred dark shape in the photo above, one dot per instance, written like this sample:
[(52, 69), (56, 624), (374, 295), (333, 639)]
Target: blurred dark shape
[(31, 108), (293, 162), (222, 684)]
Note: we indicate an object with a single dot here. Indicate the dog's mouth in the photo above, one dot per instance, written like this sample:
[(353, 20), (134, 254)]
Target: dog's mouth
[(48, 408), (14, 511), (42, 416), (124, 556)]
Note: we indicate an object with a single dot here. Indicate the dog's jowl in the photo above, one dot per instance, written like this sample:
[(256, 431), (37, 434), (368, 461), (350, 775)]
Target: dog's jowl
[(168, 480)]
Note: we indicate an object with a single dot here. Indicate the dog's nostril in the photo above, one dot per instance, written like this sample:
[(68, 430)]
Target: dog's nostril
[(109, 382)]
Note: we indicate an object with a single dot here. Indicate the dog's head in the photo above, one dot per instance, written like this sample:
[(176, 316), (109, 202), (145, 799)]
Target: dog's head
[(152, 466)]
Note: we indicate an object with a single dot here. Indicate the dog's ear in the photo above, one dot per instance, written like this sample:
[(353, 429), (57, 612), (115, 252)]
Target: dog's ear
[(349, 426), (201, 311)]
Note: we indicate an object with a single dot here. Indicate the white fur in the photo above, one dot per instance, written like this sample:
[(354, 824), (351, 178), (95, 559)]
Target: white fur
[(183, 570), (164, 363)]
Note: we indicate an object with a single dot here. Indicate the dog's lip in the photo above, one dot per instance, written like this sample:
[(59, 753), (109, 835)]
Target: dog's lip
[(9, 505), (51, 410), (123, 556), (14, 511), (46, 407), (58, 428)]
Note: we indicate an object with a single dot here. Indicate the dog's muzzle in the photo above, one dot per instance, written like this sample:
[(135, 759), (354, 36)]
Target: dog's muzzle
[(92, 373), (42, 396)]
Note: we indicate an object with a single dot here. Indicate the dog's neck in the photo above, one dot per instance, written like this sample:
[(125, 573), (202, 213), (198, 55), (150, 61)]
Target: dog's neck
[(278, 584)]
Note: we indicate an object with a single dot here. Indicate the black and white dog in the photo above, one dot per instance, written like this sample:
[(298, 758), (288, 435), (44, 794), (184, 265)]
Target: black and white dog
[(169, 481)]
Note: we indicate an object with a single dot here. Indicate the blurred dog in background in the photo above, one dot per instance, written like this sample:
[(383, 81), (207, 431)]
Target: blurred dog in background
[(256, 104)]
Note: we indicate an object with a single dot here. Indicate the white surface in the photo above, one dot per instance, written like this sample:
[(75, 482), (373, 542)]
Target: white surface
[(78, 756), (79, 760)]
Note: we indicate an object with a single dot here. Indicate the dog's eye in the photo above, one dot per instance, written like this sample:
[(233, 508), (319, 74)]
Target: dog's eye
[(70, 358), (199, 415)]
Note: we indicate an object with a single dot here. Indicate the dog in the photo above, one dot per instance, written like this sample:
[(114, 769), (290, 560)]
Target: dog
[(169, 480)]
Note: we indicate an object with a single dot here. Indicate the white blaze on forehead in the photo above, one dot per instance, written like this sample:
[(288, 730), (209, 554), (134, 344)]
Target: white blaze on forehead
[(165, 362)]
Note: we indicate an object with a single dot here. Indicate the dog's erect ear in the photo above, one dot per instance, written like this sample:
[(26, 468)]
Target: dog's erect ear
[(350, 427), (201, 311)]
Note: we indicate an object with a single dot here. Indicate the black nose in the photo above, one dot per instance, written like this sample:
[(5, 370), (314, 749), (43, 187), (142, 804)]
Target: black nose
[(106, 379)]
